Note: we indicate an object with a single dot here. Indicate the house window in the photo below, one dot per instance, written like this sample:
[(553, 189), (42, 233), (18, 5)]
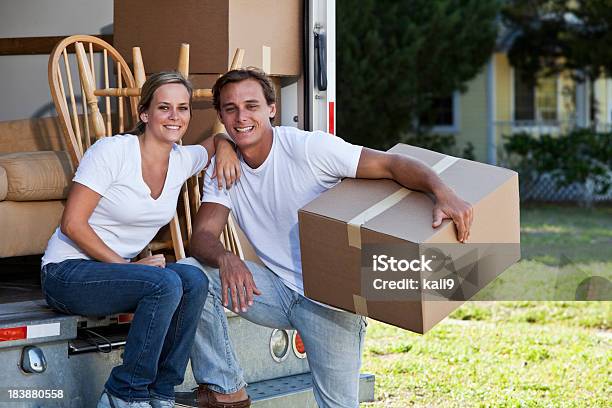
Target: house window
[(535, 102), (442, 115), (442, 111)]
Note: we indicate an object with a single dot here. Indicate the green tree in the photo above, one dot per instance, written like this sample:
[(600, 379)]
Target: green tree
[(395, 57), (559, 35)]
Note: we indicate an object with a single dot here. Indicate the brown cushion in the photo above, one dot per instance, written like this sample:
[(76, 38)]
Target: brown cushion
[(35, 176), (27, 227), (3, 184)]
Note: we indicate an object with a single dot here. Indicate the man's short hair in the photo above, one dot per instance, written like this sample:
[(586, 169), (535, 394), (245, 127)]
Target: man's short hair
[(242, 74)]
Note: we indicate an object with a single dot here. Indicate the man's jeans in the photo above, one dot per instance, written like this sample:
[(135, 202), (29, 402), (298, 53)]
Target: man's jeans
[(166, 303), (333, 339)]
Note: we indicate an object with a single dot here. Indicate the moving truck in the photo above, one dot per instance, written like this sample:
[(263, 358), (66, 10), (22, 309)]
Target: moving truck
[(49, 359)]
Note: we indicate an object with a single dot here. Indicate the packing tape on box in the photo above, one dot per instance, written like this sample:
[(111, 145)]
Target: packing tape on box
[(354, 225), (361, 305), (266, 59)]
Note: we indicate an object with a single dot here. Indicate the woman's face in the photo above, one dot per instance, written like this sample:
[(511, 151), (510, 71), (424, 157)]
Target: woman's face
[(168, 114)]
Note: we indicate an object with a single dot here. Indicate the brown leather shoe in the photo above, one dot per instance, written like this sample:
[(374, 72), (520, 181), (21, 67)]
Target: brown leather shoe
[(206, 399)]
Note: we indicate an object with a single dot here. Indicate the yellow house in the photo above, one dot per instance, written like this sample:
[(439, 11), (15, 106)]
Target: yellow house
[(499, 102)]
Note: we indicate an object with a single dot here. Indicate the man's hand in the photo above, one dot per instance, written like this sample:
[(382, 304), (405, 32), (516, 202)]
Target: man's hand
[(236, 277), (450, 206), (206, 248), (415, 175)]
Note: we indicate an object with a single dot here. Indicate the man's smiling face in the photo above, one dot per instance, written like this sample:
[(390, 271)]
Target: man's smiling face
[(245, 112)]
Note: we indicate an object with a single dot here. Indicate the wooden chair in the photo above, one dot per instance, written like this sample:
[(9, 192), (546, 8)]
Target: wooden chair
[(191, 193), (85, 81), (68, 93), (76, 85)]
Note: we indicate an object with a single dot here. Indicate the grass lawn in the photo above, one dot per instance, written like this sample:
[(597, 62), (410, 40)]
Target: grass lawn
[(512, 353)]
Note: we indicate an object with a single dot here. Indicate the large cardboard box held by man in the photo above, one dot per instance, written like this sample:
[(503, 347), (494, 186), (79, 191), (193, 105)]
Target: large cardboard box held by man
[(350, 233)]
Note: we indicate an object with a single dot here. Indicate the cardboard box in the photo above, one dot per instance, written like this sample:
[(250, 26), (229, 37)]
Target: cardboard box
[(343, 229), (270, 31)]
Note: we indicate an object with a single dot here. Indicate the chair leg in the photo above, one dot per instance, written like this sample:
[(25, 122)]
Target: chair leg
[(177, 239)]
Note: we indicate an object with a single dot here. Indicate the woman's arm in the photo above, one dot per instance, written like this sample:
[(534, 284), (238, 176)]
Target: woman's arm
[(75, 224), (227, 165)]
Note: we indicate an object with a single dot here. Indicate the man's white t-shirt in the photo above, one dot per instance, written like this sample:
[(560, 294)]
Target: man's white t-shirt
[(126, 217), (265, 201)]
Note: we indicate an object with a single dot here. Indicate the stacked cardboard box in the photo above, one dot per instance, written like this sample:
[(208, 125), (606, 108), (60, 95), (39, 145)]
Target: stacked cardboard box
[(270, 32)]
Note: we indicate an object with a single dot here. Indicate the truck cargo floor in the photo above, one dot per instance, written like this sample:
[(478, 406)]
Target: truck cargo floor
[(20, 279)]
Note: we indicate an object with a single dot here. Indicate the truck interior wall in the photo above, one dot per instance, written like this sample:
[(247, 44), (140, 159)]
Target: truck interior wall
[(24, 77)]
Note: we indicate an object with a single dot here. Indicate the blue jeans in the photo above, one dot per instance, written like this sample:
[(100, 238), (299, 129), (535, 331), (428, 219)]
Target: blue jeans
[(166, 303), (333, 338)]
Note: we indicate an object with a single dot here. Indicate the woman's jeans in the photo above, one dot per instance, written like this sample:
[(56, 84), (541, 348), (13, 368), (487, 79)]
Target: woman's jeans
[(166, 303)]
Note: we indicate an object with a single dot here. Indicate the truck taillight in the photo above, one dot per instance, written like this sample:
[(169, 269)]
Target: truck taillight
[(332, 119), (298, 345), (125, 318), (13, 333)]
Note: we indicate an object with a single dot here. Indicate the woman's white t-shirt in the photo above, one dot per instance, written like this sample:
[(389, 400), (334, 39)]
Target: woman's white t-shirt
[(126, 217)]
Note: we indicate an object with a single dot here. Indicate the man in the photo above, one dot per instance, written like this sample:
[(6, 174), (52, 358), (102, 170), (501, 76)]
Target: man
[(283, 169)]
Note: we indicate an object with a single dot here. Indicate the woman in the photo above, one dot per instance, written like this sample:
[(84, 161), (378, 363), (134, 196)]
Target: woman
[(126, 188)]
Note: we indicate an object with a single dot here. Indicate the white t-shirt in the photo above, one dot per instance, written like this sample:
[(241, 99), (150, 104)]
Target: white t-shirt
[(265, 201), (126, 217)]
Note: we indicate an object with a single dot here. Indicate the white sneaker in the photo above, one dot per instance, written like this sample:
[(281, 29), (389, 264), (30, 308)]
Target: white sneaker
[(160, 403), (110, 401)]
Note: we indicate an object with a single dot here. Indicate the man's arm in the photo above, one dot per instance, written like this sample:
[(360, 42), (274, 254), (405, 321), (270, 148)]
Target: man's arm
[(207, 227), (415, 175), (206, 247)]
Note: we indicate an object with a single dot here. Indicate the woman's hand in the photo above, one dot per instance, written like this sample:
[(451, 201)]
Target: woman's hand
[(154, 260), (227, 165)]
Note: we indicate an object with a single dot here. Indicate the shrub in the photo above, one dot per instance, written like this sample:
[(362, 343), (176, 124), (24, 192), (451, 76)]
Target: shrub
[(395, 57), (583, 156)]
